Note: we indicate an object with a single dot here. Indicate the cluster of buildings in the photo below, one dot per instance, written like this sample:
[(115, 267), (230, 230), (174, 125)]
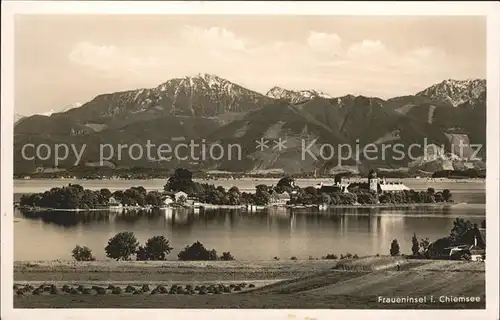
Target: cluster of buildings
[(280, 199), (168, 199), (341, 185), (374, 184)]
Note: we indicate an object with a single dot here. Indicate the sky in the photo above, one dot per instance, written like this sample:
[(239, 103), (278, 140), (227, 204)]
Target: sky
[(61, 60)]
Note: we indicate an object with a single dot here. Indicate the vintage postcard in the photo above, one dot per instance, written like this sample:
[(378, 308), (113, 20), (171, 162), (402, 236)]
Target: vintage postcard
[(295, 160)]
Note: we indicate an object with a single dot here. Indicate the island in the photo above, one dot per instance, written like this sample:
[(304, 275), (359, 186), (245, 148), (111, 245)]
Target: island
[(182, 191)]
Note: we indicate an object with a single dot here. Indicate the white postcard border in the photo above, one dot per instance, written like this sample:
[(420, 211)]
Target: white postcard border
[(489, 9)]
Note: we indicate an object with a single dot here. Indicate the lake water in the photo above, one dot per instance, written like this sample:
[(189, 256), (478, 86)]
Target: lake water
[(248, 236)]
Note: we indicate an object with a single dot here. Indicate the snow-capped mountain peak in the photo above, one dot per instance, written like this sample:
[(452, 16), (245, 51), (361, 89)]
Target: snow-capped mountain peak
[(72, 106), (202, 94), (296, 96), (456, 92), (64, 109), (18, 117)]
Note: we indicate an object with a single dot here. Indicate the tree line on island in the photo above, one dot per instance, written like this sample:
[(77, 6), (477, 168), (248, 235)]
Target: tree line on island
[(75, 196)]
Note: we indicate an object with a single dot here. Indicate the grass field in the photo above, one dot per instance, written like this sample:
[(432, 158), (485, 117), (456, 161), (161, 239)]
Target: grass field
[(346, 284)]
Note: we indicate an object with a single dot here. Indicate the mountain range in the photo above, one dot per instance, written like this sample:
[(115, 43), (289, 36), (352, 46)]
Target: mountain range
[(212, 109)]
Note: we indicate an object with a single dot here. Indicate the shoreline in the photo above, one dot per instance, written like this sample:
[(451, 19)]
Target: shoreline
[(466, 179), (257, 208)]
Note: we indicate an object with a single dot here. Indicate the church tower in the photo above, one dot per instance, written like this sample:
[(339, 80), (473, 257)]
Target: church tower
[(373, 181)]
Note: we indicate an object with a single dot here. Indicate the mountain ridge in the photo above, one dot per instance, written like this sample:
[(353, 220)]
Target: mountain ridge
[(233, 113), (456, 92), (296, 96)]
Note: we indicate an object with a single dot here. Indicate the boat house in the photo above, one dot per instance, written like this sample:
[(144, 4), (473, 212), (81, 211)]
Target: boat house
[(280, 198)]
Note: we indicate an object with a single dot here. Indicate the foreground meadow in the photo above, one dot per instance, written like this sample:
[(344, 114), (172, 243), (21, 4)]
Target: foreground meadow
[(238, 284)]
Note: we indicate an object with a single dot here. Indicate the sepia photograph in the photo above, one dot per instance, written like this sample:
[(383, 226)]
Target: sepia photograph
[(215, 160)]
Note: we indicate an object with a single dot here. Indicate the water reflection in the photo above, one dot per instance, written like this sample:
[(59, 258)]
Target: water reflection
[(374, 220), (257, 235), (68, 219)]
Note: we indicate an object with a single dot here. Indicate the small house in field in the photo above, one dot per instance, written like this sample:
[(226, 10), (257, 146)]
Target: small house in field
[(280, 198), (474, 237), (471, 243)]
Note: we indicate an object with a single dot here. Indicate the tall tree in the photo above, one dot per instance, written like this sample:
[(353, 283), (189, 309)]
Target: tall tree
[(415, 245), (181, 180), (460, 226)]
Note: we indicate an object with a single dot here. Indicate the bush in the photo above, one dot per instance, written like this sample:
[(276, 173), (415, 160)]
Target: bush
[(100, 290), (156, 248), (162, 289), (82, 254), (293, 258), (122, 246), (226, 256), (141, 254), (331, 256), (355, 256), (394, 248), (117, 290), (129, 288), (86, 291), (197, 252)]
